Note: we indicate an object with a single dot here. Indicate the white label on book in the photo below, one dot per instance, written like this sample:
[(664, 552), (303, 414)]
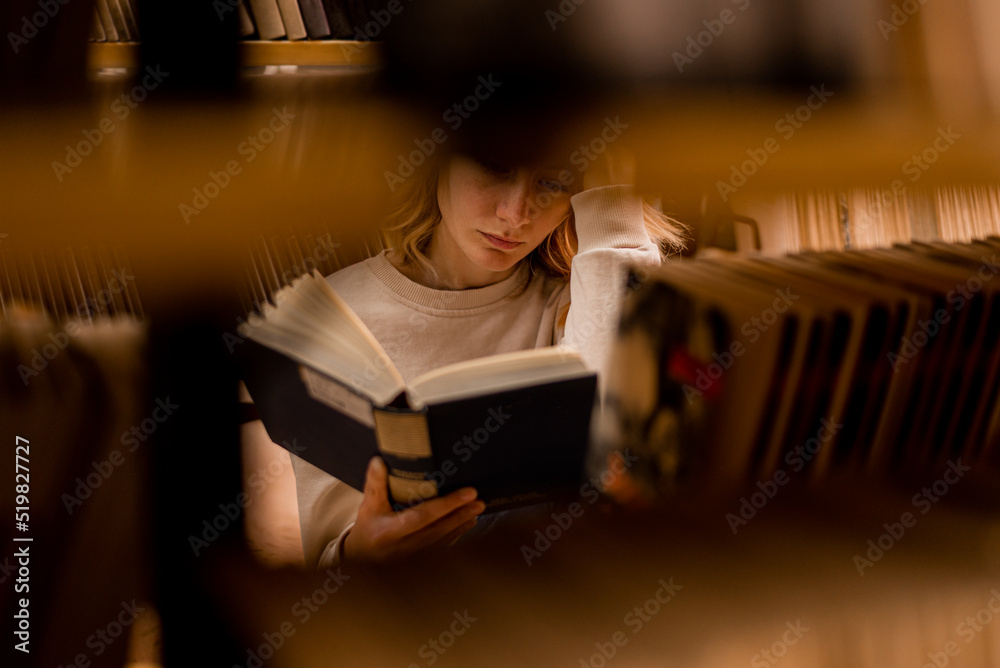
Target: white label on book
[(336, 396)]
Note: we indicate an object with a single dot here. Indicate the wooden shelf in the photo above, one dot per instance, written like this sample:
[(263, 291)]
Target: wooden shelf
[(319, 53), (327, 53), (103, 55)]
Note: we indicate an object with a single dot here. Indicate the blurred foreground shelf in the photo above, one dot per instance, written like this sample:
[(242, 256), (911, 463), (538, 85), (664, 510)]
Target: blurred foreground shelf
[(320, 53)]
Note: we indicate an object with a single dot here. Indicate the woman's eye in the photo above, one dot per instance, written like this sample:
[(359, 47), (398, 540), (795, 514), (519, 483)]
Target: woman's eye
[(553, 185)]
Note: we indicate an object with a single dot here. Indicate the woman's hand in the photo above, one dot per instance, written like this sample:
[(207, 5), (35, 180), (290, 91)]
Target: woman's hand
[(614, 167), (382, 534)]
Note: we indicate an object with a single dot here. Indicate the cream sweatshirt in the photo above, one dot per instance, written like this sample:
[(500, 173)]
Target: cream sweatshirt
[(422, 328)]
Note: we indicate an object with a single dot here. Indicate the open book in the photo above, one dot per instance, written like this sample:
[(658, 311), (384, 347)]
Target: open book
[(513, 425)]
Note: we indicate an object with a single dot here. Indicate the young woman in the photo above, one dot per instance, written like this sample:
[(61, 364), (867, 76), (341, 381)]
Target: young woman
[(485, 258)]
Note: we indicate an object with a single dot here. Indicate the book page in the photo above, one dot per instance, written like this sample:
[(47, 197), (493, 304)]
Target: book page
[(314, 326), (484, 375)]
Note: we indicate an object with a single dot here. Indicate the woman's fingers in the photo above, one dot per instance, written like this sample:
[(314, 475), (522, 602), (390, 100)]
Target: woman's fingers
[(432, 510), (376, 487), (446, 529), (380, 533)]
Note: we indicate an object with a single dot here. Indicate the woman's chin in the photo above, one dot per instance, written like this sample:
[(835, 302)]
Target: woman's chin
[(497, 260)]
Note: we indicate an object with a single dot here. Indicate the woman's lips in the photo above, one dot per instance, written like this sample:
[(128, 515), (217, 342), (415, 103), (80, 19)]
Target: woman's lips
[(500, 242)]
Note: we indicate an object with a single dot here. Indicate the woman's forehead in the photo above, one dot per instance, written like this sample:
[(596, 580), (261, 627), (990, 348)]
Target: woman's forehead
[(530, 161)]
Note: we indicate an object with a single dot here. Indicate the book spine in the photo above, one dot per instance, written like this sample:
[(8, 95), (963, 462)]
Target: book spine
[(97, 32), (338, 20), (292, 18), (314, 19), (404, 442), (131, 20), (104, 11), (268, 19), (247, 28), (119, 21), (357, 12)]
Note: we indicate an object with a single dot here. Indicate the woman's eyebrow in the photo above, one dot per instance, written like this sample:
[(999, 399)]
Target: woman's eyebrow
[(555, 168)]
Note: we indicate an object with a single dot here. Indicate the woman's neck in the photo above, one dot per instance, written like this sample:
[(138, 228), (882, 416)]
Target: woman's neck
[(445, 276)]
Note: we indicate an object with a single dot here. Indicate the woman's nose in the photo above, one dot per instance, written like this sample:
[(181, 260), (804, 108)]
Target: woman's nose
[(515, 204)]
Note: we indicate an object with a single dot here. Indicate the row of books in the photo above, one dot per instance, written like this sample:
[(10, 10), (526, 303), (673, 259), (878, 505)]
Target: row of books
[(879, 217), (69, 283), (735, 369), (115, 20)]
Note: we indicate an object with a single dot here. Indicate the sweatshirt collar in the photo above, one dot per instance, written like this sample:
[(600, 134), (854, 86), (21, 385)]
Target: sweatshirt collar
[(445, 300)]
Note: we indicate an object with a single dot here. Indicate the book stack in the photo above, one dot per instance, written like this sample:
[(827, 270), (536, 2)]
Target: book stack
[(734, 370)]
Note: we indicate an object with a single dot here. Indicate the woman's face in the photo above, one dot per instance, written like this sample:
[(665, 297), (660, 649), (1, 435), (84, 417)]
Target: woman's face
[(494, 215)]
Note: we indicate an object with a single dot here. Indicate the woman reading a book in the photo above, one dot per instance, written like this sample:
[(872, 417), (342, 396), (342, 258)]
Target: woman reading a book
[(484, 258)]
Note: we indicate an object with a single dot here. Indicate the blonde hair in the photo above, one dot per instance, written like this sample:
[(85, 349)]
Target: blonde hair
[(413, 223)]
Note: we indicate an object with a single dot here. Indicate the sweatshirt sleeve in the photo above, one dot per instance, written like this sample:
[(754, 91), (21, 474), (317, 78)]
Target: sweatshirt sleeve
[(612, 237), (327, 510), (327, 507)]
